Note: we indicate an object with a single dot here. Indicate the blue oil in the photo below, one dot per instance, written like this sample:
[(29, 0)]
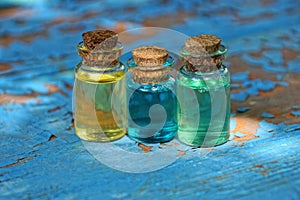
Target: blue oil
[(152, 113)]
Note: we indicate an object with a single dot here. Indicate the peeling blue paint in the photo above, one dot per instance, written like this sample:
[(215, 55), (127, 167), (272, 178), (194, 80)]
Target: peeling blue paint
[(251, 86), (240, 76), (238, 134), (240, 96), (243, 109), (296, 113), (293, 65), (267, 115), (283, 83)]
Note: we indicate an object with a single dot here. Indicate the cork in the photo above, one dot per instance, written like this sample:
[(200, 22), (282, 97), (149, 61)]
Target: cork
[(100, 39), (150, 67), (150, 55), (202, 46), (203, 43), (99, 48)]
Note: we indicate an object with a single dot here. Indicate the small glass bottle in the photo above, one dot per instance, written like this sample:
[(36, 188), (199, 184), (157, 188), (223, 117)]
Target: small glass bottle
[(203, 92), (99, 101), (152, 101)]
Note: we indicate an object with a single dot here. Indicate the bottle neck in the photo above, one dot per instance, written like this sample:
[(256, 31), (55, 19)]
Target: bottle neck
[(95, 75), (100, 58), (115, 66), (203, 62)]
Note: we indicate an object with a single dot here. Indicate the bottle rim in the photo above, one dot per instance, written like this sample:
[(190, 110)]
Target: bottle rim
[(81, 47)]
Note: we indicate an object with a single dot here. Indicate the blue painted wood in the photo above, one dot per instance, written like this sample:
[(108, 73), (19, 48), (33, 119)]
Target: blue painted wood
[(41, 158)]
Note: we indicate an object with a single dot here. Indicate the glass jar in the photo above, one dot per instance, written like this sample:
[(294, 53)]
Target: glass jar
[(99, 101), (203, 92), (152, 102)]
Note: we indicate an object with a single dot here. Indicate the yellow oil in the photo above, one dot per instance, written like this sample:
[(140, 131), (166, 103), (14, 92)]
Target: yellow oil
[(99, 103)]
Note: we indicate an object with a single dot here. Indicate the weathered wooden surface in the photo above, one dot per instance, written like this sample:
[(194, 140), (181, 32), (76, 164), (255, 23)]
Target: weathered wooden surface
[(40, 156)]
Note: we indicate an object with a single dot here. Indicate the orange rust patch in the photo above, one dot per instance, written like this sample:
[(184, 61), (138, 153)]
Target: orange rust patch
[(58, 20), (289, 54), (52, 137), (127, 38), (68, 86), (71, 29), (13, 11), (168, 20), (18, 162), (54, 109), (181, 152), (174, 144), (145, 148), (267, 2), (120, 27), (52, 88), (5, 40), (246, 20), (72, 125), (258, 166), (4, 67), (10, 98), (257, 54), (262, 170), (246, 126), (90, 14)]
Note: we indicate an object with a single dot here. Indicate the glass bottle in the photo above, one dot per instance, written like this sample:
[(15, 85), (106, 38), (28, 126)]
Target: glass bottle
[(152, 100), (99, 101), (203, 92)]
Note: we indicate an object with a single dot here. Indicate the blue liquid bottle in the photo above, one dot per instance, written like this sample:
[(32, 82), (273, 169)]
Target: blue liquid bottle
[(152, 116)]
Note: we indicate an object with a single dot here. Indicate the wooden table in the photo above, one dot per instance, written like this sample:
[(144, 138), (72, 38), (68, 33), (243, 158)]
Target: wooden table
[(42, 158)]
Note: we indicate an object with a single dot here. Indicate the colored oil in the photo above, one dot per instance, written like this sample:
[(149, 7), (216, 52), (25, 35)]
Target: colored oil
[(204, 108), (152, 112), (100, 103)]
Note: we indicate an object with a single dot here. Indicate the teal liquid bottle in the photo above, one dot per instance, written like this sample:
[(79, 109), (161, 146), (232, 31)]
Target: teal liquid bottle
[(203, 92), (152, 103)]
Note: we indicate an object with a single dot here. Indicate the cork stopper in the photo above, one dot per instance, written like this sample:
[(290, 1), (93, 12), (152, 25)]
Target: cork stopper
[(148, 65), (100, 48), (100, 39), (201, 56), (203, 44), (150, 55)]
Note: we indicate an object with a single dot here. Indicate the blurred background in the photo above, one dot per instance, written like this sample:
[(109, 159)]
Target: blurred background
[(38, 41)]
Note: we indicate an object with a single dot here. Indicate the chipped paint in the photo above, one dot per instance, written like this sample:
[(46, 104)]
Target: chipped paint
[(246, 126)]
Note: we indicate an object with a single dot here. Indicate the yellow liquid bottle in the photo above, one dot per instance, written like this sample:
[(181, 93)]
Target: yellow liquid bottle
[(99, 101)]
